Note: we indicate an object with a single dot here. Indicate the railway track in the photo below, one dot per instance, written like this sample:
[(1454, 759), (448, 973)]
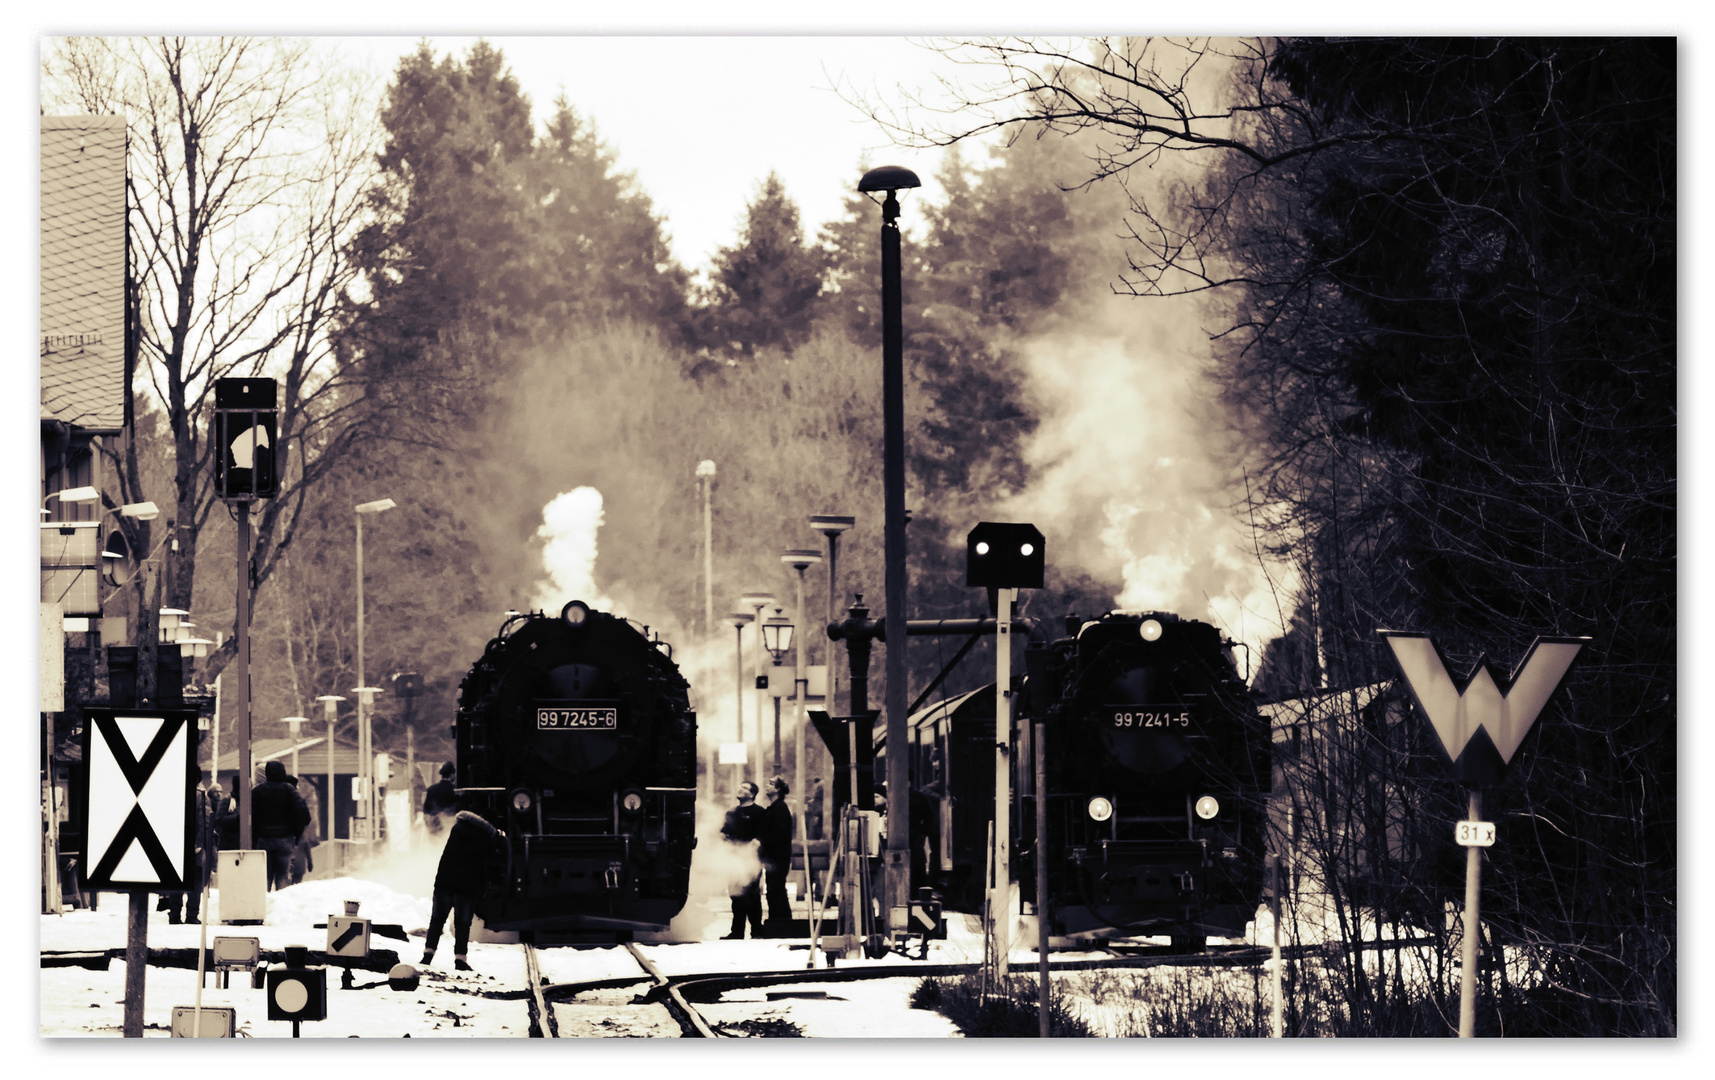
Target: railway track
[(681, 994), (542, 1022), (691, 1022)]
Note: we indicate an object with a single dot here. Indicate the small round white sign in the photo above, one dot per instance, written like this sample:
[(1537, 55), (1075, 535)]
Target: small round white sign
[(291, 995)]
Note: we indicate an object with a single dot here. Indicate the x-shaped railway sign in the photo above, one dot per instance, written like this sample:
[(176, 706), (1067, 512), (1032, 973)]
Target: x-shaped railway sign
[(1481, 718), (137, 802)]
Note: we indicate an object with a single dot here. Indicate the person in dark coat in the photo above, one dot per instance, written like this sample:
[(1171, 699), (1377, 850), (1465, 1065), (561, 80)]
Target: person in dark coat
[(205, 836), (925, 837), (740, 830), (278, 817), (459, 882), (303, 859), (226, 820), (774, 833), (441, 800), (813, 810)]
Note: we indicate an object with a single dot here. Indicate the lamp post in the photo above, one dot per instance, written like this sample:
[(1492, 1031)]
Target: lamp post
[(892, 179), (295, 727), (364, 699), (365, 764), (70, 495), (831, 526), (706, 479), (330, 712), (758, 601), (777, 639), (800, 559), (739, 620)]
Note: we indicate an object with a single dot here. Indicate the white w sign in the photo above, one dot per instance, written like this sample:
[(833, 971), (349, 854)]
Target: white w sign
[(1480, 719)]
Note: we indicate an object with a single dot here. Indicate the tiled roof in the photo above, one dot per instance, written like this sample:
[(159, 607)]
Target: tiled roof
[(83, 270)]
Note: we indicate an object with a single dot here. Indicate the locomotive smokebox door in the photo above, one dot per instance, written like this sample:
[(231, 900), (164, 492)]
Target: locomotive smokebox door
[(1004, 555)]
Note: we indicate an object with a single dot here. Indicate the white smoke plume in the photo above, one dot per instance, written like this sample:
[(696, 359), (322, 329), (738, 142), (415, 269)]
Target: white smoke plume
[(569, 526), (1129, 483)]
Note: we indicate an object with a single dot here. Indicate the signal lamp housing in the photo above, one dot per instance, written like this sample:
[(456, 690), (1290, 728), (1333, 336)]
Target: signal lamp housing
[(1150, 630), (631, 802), (1100, 809), (522, 801), (1207, 807)]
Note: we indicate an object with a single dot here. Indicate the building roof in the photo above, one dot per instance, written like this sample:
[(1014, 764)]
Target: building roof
[(1318, 706), (312, 755), (83, 270)]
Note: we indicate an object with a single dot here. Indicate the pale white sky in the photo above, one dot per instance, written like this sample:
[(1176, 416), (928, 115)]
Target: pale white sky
[(701, 120)]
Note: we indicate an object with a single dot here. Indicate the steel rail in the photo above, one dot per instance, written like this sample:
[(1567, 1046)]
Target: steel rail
[(708, 983), (690, 1020), (542, 1022)]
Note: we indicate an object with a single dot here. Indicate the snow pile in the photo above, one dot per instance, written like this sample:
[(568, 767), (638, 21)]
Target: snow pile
[(310, 902)]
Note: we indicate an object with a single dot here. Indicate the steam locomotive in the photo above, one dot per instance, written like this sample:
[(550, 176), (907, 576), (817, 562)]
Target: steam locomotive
[(575, 735), (1158, 772)]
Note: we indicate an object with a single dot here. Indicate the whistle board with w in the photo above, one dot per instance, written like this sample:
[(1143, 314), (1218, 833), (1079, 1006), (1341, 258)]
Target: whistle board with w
[(1482, 717), (138, 798)]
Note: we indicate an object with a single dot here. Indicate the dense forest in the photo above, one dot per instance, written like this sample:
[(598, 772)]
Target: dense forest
[(1311, 334)]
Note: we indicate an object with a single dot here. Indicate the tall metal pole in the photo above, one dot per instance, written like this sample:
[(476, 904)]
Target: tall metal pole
[(331, 711), (898, 865), (832, 654), (1277, 868), (1473, 926), (1001, 903), (1043, 990), (738, 656), (241, 675), (706, 476), (800, 691)]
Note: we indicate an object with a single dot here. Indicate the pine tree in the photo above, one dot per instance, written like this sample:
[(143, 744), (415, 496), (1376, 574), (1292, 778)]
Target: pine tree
[(763, 290)]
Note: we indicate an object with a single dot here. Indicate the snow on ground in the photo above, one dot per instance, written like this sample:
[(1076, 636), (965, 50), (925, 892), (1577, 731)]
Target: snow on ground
[(75, 1002), (79, 1002)]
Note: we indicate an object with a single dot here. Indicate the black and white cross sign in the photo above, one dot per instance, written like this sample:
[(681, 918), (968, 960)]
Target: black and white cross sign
[(139, 797)]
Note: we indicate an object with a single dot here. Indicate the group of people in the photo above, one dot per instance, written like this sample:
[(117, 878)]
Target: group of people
[(770, 829), (283, 823)]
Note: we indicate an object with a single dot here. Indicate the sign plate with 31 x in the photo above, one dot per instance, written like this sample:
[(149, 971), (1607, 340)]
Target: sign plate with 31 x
[(1474, 833)]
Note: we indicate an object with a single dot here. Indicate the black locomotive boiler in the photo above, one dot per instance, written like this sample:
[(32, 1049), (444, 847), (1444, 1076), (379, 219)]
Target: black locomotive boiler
[(576, 736), (1158, 772)]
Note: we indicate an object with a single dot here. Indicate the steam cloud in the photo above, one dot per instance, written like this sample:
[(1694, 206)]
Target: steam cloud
[(1129, 483), (570, 522)]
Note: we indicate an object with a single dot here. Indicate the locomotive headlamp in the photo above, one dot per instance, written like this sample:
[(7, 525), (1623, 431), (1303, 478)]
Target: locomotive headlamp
[(1150, 630), (1027, 550), (1208, 806), (521, 801), (632, 802), (1100, 809), (574, 613), (982, 547)]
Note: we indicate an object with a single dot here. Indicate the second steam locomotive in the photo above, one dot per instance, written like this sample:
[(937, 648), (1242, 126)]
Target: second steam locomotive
[(575, 734), (1158, 770)]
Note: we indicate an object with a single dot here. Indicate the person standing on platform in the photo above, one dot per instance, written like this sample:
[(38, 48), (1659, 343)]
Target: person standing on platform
[(205, 837), (303, 861), (278, 817), (775, 836), (459, 881), (441, 800), (813, 811), (740, 829)]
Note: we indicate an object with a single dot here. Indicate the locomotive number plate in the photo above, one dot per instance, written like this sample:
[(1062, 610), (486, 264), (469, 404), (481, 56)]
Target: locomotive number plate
[(578, 719), (1172, 718)]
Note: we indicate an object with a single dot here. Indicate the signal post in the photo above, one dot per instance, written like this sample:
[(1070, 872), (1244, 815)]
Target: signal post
[(1480, 721), (1005, 557)]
